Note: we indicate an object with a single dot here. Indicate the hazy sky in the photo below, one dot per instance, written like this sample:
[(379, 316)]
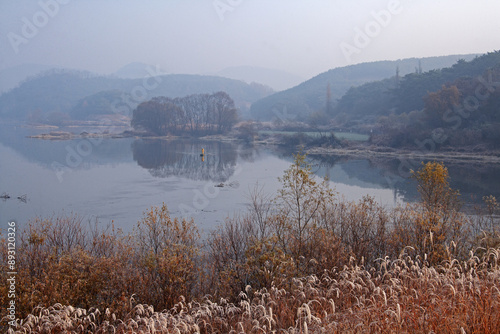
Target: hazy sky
[(304, 37)]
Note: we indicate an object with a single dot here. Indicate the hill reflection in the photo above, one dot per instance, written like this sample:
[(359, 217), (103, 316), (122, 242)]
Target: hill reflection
[(473, 180), (181, 158)]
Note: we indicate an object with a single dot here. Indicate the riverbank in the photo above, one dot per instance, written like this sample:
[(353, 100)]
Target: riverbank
[(365, 151), (352, 149)]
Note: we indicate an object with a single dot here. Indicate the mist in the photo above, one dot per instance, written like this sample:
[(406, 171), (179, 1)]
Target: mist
[(204, 37)]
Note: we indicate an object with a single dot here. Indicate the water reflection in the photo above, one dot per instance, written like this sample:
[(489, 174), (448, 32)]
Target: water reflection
[(50, 152), (473, 180), (182, 158)]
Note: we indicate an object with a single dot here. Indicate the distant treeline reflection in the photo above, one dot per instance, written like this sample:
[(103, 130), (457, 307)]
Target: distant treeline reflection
[(183, 159), (474, 179)]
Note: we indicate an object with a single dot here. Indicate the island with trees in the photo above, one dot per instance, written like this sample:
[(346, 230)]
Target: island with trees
[(197, 114)]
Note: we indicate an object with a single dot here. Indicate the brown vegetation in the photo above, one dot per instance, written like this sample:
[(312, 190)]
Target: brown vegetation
[(303, 261), (401, 295)]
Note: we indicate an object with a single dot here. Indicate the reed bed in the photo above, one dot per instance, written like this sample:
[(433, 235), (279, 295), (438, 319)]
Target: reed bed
[(402, 295)]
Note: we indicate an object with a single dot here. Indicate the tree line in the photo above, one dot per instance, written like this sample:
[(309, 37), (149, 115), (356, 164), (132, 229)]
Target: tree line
[(198, 114)]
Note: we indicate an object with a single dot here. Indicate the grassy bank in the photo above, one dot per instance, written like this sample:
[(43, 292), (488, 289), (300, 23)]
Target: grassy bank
[(350, 136)]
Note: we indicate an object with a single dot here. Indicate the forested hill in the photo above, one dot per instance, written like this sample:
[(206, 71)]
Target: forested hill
[(455, 107), (82, 94), (406, 94), (311, 96)]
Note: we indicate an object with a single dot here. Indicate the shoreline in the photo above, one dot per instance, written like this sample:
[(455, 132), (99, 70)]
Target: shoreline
[(354, 151), (405, 154), (65, 135)]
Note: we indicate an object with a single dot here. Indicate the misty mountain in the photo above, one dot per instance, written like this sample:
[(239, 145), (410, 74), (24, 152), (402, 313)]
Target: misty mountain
[(276, 79), (101, 103), (53, 91), (407, 93), (454, 107), (80, 93), (135, 70), (13, 76), (300, 101)]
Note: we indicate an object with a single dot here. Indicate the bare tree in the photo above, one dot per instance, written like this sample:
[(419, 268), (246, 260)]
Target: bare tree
[(197, 113), (225, 111)]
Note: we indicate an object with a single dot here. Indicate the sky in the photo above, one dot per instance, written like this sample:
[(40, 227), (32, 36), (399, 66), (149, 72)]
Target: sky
[(302, 37)]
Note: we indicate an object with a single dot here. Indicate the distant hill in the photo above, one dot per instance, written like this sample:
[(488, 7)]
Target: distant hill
[(310, 96), (135, 70), (13, 76), (101, 103), (454, 107), (407, 93), (276, 79), (53, 91), (84, 94)]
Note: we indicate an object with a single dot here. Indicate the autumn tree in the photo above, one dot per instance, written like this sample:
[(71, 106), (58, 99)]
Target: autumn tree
[(437, 103), (300, 201), (167, 251), (434, 187), (439, 221)]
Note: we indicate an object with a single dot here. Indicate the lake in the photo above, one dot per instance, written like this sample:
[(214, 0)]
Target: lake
[(116, 180)]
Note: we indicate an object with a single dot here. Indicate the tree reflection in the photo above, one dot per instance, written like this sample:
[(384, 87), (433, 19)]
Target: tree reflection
[(183, 159), (389, 173)]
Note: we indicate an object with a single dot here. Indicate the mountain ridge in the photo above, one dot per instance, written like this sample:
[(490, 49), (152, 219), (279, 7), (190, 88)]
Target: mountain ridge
[(310, 96), (276, 79), (60, 91)]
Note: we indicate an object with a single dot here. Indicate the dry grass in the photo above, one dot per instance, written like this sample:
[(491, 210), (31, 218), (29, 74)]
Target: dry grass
[(402, 295)]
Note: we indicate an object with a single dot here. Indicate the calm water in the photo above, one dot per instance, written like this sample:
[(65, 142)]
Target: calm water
[(117, 179)]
